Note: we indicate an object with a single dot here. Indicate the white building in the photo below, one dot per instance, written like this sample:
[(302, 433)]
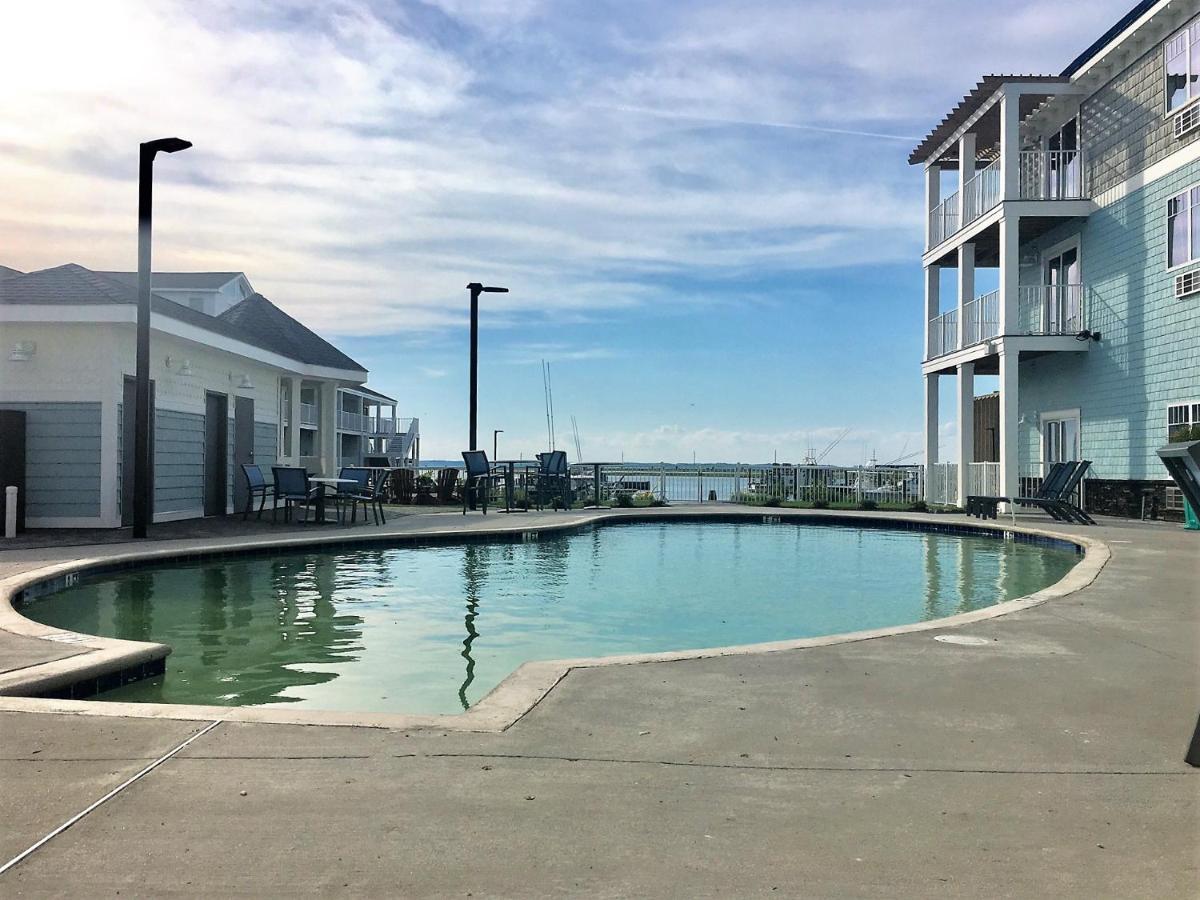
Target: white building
[(234, 380)]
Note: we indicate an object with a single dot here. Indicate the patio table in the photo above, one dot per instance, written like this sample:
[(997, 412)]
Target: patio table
[(510, 474), (324, 482)]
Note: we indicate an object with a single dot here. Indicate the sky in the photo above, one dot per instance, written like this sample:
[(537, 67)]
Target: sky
[(703, 210)]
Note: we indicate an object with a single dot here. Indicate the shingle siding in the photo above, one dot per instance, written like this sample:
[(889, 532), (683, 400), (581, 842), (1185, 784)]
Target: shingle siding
[(178, 461), (1149, 353), (1124, 125), (62, 459)]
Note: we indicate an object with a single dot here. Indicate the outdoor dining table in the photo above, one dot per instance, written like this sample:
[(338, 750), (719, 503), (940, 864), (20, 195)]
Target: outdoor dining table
[(323, 482), (510, 474)]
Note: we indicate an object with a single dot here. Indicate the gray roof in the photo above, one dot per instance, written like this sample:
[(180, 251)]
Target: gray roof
[(181, 281), (255, 320), (371, 392), (6, 271)]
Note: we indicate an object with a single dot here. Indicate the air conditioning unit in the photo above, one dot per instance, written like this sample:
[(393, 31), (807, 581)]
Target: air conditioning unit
[(1188, 120), (1187, 283)]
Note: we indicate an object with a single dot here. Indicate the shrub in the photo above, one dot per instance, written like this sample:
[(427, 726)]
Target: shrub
[(820, 504), (773, 501), (625, 500), (918, 506), (868, 504)]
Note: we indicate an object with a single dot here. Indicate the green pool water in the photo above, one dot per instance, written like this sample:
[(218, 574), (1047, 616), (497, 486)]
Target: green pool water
[(433, 629)]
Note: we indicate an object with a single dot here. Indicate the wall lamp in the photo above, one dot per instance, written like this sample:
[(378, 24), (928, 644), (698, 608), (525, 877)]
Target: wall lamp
[(1088, 335)]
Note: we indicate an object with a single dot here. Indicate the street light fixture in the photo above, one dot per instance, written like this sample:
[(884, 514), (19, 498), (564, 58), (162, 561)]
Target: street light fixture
[(496, 432), (476, 289), (141, 442)]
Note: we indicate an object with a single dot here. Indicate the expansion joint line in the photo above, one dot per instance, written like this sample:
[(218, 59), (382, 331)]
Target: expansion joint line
[(79, 815)]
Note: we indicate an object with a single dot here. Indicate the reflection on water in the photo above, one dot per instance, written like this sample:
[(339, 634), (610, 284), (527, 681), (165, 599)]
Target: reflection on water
[(433, 629)]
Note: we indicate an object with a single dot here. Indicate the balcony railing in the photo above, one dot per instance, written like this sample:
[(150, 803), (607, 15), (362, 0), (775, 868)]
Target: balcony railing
[(308, 414), (1051, 309), (351, 421), (384, 425), (981, 318), (1052, 175), (943, 220), (943, 334), (982, 193)]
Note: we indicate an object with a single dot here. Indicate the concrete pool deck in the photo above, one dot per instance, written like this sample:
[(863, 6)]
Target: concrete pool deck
[(1046, 761)]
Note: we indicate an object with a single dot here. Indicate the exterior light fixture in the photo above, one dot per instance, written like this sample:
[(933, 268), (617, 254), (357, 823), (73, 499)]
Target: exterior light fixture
[(185, 370), (22, 351), (245, 384)]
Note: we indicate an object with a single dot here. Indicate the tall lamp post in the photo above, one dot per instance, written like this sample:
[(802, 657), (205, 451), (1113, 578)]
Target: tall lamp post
[(496, 442), (141, 440), (476, 289)]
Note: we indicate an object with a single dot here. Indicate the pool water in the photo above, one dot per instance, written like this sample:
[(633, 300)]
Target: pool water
[(432, 629)]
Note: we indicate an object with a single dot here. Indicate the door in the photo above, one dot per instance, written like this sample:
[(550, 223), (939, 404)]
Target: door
[(1060, 307), (243, 447), (128, 430), (216, 444), (1060, 442), (1062, 166)]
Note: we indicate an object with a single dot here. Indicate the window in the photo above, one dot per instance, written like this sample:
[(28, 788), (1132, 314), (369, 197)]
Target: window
[(1180, 417), (1181, 58), (1183, 228)]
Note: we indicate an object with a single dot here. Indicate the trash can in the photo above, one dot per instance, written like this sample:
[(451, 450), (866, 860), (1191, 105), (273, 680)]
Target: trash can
[(1190, 520)]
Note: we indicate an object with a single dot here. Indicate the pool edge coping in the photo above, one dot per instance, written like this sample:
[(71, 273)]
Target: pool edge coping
[(509, 701)]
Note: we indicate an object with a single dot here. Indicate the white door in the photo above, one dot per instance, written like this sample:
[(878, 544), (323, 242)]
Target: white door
[(1060, 439), (1060, 307)]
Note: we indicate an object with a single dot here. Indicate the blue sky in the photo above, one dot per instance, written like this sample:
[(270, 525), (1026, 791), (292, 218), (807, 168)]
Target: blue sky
[(702, 210)]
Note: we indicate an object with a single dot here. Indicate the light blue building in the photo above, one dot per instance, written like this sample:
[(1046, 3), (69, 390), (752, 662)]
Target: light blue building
[(1076, 197)]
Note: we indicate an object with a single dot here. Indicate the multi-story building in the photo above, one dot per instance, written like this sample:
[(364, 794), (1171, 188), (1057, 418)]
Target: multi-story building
[(1074, 199), (234, 379)]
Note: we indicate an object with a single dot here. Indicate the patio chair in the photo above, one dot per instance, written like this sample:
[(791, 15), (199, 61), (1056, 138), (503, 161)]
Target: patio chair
[(402, 485), (1060, 506), (984, 507), (447, 480), (356, 493), (479, 472), (256, 486), (552, 480), (292, 487)]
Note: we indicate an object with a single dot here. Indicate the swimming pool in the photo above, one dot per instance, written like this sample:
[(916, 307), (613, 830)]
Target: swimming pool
[(431, 629)]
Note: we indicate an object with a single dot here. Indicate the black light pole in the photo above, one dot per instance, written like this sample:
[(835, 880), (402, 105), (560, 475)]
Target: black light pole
[(496, 442), (476, 289), (141, 439)]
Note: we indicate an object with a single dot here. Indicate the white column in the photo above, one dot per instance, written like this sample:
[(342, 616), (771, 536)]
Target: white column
[(1010, 273), (328, 433), (933, 276), (933, 194), (1010, 142), (966, 428), (966, 288), (931, 433), (1008, 424), (966, 171), (293, 450)]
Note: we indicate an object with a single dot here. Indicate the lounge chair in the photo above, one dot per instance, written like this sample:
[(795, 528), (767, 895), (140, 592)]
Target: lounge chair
[(292, 487), (985, 507), (256, 486), (1053, 496)]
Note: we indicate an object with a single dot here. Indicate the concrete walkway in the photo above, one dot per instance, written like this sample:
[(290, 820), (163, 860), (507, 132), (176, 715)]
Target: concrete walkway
[(1047, 762)]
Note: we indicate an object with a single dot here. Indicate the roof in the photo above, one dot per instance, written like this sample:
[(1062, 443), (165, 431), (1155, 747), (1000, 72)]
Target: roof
[(181, 281), (371, 392), (1105, 39), (6, 271), (970, 104), (255, 320), (269, 327)]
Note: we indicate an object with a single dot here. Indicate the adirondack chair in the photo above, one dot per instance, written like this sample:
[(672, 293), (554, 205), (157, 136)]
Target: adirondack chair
[(447, 480)]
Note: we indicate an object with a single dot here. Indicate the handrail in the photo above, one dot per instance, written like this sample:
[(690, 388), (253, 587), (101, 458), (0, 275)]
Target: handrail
[(1052, 175), (982, 192), (1051, 308)]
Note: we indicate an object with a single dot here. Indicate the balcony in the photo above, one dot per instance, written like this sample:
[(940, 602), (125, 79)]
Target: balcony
[(382, 426), (1041, 175), (351, 421), (308, 414), (1042, 309)]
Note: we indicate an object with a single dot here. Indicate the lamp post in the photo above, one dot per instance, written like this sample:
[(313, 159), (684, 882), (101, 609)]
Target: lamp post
[(495, 442), (476, 289), (141, 441)]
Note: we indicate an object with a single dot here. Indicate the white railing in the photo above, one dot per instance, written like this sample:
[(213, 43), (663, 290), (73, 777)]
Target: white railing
[(981, 318), (381, 425), (942, 482), (1052, 175), (943, 334), (308, 414), (982, 192), (351, 421), (1051, 309), (983, 479), (943, 220)]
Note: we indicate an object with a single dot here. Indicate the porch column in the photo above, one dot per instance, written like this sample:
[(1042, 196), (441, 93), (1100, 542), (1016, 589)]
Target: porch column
[(933, 275), (1009, 480), (1010, 274), (1010, 143), (328, 435), (966, 428), (933, 194), (966, 289), (966, 171), (292, 451), (931, 435)]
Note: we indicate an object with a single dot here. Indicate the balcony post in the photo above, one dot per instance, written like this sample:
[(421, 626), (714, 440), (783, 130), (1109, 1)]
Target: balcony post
[(1010, 274), (933, 196), (966, 428), (931, 434), (293, 450), (327, 421), (1010, 142), (966, 171), (933, 275), (966, 288), (1009, 482)]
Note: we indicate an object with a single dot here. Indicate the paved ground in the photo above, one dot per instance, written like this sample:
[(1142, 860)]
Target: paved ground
[(1046, 763)]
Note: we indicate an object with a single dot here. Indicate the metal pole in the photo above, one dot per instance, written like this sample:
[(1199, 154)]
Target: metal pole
[(475, 291), (141, 439)]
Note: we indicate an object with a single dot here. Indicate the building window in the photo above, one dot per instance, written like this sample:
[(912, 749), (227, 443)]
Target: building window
[(1181, 58), (1183, 228), (1180, 417)]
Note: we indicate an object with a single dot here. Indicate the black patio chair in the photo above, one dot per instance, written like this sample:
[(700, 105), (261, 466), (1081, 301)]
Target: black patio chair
[(447, 480), (357, 493), (1060, 506), (552, 480), (292, 487), (256, 486), (983, 507), (480, 479)]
